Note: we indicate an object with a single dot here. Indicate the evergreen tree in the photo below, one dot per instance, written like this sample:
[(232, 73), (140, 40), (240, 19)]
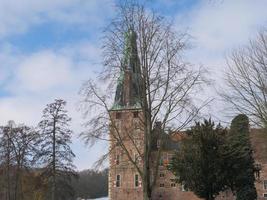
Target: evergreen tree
[(238, 160), (56, 154), (197, 163)]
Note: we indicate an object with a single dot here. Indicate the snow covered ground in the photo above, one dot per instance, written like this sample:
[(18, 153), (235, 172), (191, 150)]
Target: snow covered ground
[(104, 198)]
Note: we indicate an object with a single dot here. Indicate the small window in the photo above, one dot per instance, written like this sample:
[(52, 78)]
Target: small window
[(265, 195), (136, 180), (173, 185), (118, 180), (265, 184), (161, 175), (135, 114), (118, 115), (118, 159), (161, 185)]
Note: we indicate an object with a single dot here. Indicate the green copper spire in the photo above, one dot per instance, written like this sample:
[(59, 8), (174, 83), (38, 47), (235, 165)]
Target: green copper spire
[(128, 85), (131, 60)]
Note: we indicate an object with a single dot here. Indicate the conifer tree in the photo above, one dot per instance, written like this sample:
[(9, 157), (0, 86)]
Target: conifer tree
[(197, 163), (238, 160), (56, 154)]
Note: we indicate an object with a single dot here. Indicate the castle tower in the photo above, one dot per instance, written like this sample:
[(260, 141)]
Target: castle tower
[(125, 127)]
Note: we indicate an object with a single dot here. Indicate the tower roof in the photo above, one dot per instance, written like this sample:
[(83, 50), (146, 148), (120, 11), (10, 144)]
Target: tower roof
[(128, 90)]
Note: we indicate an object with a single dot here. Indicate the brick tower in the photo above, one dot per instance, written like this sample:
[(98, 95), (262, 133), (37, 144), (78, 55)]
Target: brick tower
[(125, 128)]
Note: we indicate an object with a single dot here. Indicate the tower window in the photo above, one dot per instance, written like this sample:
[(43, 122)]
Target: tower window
[(265, 195), (117, 159), (173, 184), (135, 114), (265, 184), (161, 175), (136, 180), (118, 180), (161, 185), (118, 115)]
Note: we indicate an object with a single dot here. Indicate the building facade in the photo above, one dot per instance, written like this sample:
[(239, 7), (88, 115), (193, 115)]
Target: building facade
[(127, 140)]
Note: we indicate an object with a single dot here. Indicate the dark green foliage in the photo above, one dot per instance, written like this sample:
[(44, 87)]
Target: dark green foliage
[(238, 161), (91, 184), (197, 164), (211, 161)]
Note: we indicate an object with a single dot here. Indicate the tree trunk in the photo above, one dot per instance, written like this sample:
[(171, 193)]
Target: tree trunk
[(54, 163), (147, 187), (8, 170), (16, 182), (146, 181)]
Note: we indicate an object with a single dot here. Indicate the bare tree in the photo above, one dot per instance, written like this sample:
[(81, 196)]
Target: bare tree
[(24, 144), (247, 80), (140, 42), (18, 149), (7, 158)]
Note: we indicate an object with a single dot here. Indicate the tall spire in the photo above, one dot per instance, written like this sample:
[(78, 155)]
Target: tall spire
[(128, 86)]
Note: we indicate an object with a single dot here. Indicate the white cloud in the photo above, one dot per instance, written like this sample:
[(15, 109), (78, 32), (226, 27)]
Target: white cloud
[(43, 71), (36, 79), (217, 27), (18, 15), (232, 22)]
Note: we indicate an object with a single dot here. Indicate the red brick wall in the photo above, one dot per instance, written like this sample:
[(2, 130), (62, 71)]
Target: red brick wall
[(128, 128), (132, 138), (259, 182)]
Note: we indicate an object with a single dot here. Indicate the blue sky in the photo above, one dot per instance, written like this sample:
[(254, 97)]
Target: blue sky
[(49, 48)]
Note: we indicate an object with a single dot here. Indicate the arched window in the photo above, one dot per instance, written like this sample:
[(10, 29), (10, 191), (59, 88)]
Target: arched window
[(118, 180), (136, 180)]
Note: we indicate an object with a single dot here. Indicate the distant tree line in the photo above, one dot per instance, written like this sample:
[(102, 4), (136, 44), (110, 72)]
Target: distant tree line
[(91, 184)]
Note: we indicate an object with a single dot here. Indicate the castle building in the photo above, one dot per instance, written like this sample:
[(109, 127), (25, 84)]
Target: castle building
[(127, 140)]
